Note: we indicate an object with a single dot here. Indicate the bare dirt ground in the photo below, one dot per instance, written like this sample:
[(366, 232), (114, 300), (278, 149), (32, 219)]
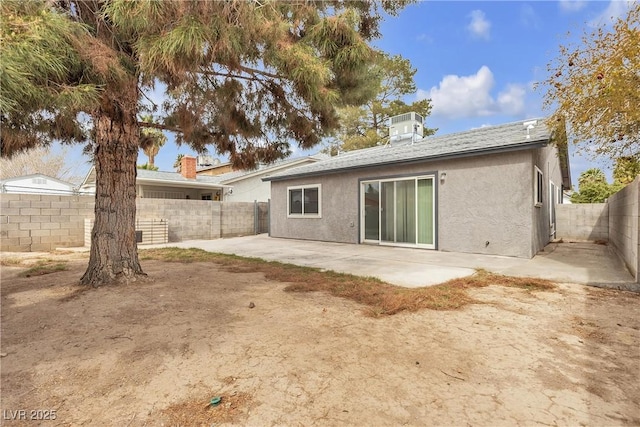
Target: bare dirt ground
[(155, 352)]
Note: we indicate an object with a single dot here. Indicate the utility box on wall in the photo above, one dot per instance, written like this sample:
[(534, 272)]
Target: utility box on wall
[(148, 231)]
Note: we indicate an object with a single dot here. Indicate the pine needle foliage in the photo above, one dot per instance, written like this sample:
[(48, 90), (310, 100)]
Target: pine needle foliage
[(43, 78), (249, 78), (246, 79)]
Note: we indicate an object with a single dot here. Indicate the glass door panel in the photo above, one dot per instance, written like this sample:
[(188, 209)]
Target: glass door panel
[(406, 211), (387, 212), (371, 192), (425, 211)]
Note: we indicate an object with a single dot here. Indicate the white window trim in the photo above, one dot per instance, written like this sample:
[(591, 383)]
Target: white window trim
[(552, 194), (537, 203), (303, 215)]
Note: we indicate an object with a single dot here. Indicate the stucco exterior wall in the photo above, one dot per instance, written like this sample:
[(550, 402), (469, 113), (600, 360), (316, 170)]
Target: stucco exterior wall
[(485, 205), (253, 188), (482, 199), (624, 225), (339, 203), (546, 159), (248, 190)]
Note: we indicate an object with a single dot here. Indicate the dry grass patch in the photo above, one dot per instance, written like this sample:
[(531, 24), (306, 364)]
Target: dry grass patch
[(11, 262), (46, 266), (195, 412), (381, 299)]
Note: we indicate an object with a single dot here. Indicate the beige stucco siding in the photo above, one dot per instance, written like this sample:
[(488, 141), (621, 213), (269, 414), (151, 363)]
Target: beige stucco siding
[(546, 159), (487, 199), (339, 204), (482, 199)]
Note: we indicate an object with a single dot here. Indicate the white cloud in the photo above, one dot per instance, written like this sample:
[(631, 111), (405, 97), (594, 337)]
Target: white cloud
[(528, 16), (511, 100), (479, 26), (425, 38), (470, 96), (482, 126), (572, 5), (616, 9)]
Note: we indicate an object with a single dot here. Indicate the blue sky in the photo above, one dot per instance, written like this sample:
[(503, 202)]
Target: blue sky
[(478, 61)]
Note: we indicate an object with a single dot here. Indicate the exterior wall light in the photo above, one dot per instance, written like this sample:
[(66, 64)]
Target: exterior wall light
[(443, 175)]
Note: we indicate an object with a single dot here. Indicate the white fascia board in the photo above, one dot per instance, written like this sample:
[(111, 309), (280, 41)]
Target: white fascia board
[(191, 184), (269, 170)]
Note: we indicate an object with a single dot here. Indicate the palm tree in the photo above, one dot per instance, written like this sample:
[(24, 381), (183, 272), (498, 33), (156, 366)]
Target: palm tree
[(177, 165), (150, 141)]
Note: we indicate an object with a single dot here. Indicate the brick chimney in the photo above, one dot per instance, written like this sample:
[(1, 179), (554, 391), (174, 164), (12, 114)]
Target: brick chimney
[(188, 167)]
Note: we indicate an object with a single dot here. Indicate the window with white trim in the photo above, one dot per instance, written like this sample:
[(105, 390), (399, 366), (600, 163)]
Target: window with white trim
[(537, 187), (304, 201)]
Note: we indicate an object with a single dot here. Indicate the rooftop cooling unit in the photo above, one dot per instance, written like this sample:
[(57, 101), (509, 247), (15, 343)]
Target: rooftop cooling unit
[(206, 160), (408, 126)]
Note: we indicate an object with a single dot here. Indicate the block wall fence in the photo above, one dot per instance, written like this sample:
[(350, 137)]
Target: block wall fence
[(583, 221), (617, 222), (624, 225), (35, 223)]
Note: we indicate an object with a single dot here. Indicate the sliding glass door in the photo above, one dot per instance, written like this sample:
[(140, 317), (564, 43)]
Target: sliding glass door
[(399, 211)]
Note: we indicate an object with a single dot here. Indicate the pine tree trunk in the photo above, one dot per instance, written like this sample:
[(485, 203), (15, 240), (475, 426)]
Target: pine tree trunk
[(114, 251)]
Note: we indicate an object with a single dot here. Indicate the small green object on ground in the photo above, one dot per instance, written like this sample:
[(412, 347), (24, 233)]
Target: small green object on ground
[(215, 401)]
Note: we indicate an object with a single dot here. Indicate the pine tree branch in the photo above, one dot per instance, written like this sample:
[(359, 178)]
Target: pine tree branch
[(254, 74), (159, 126)]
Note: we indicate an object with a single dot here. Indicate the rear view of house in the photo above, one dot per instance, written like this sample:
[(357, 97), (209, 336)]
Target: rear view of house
[(491, 190)]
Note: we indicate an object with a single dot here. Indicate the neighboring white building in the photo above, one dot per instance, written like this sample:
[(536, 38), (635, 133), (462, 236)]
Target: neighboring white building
[(206, 183), (248, 186), (169, 185), (36, 184)]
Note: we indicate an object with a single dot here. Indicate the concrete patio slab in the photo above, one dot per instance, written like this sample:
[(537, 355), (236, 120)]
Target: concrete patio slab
[(585, 263)]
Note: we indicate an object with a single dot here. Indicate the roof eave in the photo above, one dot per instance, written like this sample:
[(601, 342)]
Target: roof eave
[(270, 170), (529, 145), (192, 184)]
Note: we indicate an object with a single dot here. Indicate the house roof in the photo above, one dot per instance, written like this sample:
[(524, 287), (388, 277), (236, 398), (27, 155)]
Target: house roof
[(485, 140), (235, 176), (176, 179), (36, 175), (208, 181), (166, 178), (210, 167)]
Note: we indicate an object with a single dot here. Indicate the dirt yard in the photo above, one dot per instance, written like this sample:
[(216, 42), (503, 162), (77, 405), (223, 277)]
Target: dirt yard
[(156, 352)]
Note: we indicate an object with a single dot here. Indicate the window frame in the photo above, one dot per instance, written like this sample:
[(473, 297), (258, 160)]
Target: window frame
[(317, 187), (538, 187)]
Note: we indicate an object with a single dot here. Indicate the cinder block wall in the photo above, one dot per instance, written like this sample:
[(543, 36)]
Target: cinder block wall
[(188, 219), (624, 225), (32, 222), (583, 221), (263, 215), (237, 218), (42, 223)]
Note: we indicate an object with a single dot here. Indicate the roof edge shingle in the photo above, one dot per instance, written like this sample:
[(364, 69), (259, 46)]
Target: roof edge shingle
[(481, 141)]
